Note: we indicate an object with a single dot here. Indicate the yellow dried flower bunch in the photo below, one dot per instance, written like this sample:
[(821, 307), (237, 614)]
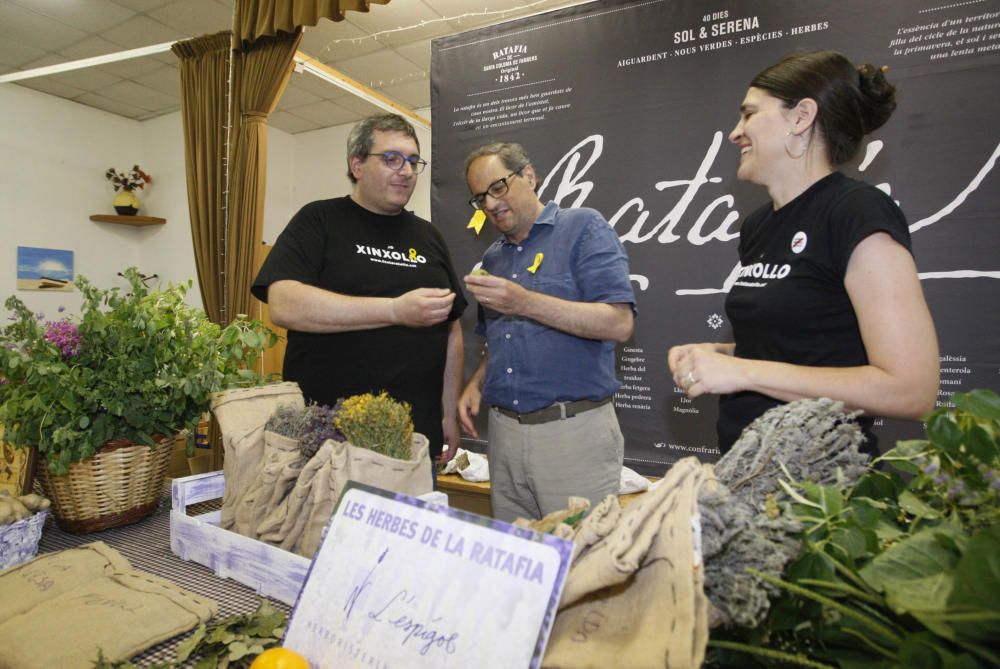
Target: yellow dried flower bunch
[(377, 422)]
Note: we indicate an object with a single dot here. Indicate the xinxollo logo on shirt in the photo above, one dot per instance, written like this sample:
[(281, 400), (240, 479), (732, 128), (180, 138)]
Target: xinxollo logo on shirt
[(390, 256), (765, 270), (761, 270)]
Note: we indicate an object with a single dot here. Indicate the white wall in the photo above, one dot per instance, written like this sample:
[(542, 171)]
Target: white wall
[(52, 179), (55, 153), (282, 167), (165, 250)]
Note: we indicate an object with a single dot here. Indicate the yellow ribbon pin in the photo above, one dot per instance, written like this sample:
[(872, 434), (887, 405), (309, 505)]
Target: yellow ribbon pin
[(477, 221), (538, 263)]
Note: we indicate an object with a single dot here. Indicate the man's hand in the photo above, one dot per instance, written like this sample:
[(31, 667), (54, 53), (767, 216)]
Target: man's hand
[(496, 293), (422, 307), (452, 438), (468, 408)]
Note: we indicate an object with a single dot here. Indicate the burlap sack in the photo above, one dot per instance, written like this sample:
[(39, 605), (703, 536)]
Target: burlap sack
[(283, 462), (122, 613), (242, 414), (558, 523), (349, 462), (279, 527), (326, 490), (270, 526), (317, 496), (410, 477), (29, 584), (599, 523), (634, 598)]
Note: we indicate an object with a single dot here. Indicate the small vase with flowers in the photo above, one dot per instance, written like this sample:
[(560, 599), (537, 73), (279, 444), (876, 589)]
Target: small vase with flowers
[(125, 184)]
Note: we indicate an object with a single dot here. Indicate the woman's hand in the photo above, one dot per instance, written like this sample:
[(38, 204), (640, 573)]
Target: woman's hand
[(705, 368)]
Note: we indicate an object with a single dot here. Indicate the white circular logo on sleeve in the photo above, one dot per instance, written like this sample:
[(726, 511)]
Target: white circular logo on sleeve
[(799, 242)]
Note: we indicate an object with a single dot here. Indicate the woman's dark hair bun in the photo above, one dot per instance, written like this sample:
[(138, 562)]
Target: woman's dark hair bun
[(852, 101), (878, 96)]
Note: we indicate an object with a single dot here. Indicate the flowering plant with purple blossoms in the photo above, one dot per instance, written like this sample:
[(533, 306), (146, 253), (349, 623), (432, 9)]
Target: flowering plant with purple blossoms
[(65, 336), (130, 366)]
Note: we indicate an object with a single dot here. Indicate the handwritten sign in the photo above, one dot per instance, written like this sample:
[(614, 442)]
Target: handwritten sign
[(400, 583)]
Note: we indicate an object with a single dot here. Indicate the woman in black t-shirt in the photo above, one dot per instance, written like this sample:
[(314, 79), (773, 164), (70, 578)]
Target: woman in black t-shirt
[(827, 302)]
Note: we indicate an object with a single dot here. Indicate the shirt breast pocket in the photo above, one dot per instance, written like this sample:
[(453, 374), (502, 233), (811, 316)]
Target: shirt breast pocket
[(557, 285)]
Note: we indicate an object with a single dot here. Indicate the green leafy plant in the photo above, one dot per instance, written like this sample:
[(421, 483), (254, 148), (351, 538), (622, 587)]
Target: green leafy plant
[(900, 570), (131, 366)]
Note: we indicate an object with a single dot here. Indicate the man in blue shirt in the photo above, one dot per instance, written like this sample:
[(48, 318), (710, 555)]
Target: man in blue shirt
[(555, 301)]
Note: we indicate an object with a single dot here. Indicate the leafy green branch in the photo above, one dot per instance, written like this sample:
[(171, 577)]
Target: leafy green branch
[(229, 643), (901, 569)]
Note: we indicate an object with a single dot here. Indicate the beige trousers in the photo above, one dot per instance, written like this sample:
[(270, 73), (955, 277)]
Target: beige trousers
[(534, 469)]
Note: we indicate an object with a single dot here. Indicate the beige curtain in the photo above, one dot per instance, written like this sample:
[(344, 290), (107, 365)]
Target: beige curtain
[(260, 76), (225, 246), (255, 18), (204, 70)]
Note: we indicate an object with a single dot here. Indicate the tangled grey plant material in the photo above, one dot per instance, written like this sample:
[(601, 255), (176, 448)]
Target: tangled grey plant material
[(736, 536), (814, 440)]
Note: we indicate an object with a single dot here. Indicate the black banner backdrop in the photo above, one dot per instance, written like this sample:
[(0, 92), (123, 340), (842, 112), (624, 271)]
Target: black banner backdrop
[(626, 107)]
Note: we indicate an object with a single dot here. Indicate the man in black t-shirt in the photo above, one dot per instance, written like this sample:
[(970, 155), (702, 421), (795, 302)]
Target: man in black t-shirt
[(368, 292)]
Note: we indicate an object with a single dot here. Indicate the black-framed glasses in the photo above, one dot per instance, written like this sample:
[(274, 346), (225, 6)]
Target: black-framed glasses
[(395, 160), (496, 190)]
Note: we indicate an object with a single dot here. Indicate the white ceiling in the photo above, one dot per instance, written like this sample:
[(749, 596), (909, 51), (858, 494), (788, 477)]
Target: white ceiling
[(387, 49)]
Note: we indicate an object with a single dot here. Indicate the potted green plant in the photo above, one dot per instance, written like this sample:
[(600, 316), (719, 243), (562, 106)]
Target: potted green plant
[(132, 368)]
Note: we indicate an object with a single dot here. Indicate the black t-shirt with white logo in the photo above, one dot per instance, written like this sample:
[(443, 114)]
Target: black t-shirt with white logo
[(340, 246), (789, 303)]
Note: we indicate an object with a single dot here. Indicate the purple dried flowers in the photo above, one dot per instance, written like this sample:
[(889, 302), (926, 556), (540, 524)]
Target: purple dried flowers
[(311, 425)]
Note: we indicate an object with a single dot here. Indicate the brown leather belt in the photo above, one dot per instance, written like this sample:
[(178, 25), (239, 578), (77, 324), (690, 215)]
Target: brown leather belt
[(558, 411)]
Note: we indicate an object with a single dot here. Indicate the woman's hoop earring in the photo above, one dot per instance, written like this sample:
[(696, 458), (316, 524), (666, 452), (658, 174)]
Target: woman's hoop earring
[(788, 150)]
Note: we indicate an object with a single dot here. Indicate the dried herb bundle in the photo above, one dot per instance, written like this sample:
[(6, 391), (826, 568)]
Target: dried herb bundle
[(808, 440), (378, 422), (311, 425), (743, 525)]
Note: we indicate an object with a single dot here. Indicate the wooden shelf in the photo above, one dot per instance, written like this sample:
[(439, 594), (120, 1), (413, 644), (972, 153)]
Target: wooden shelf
[(128, 220)]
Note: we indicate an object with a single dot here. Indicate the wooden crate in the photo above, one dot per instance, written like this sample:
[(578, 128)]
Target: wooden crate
[(269, 570)]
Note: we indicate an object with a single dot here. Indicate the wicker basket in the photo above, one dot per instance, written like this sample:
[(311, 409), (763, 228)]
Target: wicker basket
[(120, 484), (19, 541)]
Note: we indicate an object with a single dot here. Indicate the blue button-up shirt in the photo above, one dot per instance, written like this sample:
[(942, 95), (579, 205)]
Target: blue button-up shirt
[(530, 365)]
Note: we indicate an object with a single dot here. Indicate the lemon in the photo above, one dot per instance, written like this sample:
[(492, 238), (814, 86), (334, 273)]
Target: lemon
[(280, 658)]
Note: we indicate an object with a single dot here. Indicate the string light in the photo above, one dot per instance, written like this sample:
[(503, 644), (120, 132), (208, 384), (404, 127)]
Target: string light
[(327, 51)]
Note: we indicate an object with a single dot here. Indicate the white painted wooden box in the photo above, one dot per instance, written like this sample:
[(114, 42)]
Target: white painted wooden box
[(271, 571)]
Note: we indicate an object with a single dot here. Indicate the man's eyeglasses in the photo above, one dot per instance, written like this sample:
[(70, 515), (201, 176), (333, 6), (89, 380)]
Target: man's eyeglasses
[(496, 190), (395, 160)]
